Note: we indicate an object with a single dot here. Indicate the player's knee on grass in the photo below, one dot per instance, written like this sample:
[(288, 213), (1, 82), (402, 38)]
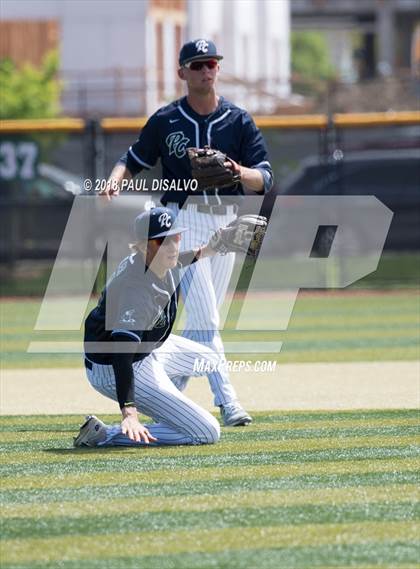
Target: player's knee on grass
[(210, 431)]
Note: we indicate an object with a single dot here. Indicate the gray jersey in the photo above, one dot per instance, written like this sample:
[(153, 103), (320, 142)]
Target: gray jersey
[(136, 305)]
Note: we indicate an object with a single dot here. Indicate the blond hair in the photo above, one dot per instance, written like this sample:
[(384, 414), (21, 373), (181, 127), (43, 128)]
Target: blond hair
[(138, 246)]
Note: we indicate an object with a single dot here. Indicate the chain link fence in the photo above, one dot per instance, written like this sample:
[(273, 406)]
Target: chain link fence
[(44, 164)]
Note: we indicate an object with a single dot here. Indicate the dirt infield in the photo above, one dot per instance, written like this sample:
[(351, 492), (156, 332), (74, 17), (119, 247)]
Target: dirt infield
[(314, 386)]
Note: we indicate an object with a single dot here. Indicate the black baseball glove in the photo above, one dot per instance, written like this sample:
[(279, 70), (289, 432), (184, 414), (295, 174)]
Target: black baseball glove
[(243, 235), (208, 168)]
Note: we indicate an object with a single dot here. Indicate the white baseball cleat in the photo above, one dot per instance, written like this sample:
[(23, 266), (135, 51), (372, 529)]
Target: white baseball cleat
[(92, 432), (234, 415)]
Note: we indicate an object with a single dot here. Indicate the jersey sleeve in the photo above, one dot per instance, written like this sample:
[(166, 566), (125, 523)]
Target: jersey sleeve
[(145, 152), (122, 364), (254, 152)]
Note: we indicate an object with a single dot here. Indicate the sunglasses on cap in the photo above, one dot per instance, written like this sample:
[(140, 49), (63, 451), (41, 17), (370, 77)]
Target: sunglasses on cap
[(176, 238), (198, 65)]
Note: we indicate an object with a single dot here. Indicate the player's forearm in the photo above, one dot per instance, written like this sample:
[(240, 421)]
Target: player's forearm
[(252, 180), (193, 255), (207, 251)]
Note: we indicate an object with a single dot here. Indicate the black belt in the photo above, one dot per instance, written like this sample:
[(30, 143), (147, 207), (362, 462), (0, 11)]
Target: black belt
[(216, 209), (88, 364)]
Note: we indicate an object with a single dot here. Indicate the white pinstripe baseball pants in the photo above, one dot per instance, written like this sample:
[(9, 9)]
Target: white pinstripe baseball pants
[(178, 420), (204, 285)]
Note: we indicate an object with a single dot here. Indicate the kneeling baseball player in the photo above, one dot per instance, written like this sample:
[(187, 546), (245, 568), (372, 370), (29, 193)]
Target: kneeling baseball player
[(131, 355)]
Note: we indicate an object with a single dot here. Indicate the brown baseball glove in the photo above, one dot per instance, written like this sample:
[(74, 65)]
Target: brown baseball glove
[(208, 168)]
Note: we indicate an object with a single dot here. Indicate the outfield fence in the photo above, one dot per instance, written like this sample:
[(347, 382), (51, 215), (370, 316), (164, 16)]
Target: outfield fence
[(43, 162)]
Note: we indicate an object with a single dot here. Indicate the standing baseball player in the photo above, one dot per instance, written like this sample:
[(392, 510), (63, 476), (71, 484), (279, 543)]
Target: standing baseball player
[(131, 355), (202, 118)]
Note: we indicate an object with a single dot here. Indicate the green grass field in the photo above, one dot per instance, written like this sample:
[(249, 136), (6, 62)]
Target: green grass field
[(325, 327), (294, 490)]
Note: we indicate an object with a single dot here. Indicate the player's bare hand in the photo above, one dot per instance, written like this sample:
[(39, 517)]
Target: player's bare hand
[(113, 184), (234, 166), (134, 430), (112, 189)]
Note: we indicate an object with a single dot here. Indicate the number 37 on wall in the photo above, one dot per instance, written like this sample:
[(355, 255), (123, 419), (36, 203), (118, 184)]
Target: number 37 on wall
[(18, 160)]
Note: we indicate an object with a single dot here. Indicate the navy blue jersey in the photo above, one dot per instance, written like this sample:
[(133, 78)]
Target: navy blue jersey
[(135, 306), (174, 128)]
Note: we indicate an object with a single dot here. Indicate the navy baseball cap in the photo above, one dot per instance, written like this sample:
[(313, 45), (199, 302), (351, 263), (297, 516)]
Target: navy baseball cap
[(198, 49), (157, 222)]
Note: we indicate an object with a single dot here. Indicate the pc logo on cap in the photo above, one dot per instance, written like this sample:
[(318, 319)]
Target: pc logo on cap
[(157, 222), (198, 49)]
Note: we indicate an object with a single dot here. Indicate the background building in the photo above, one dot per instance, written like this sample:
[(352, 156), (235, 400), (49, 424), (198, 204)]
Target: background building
[(120, 57), (368, 37), (108, 51)]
